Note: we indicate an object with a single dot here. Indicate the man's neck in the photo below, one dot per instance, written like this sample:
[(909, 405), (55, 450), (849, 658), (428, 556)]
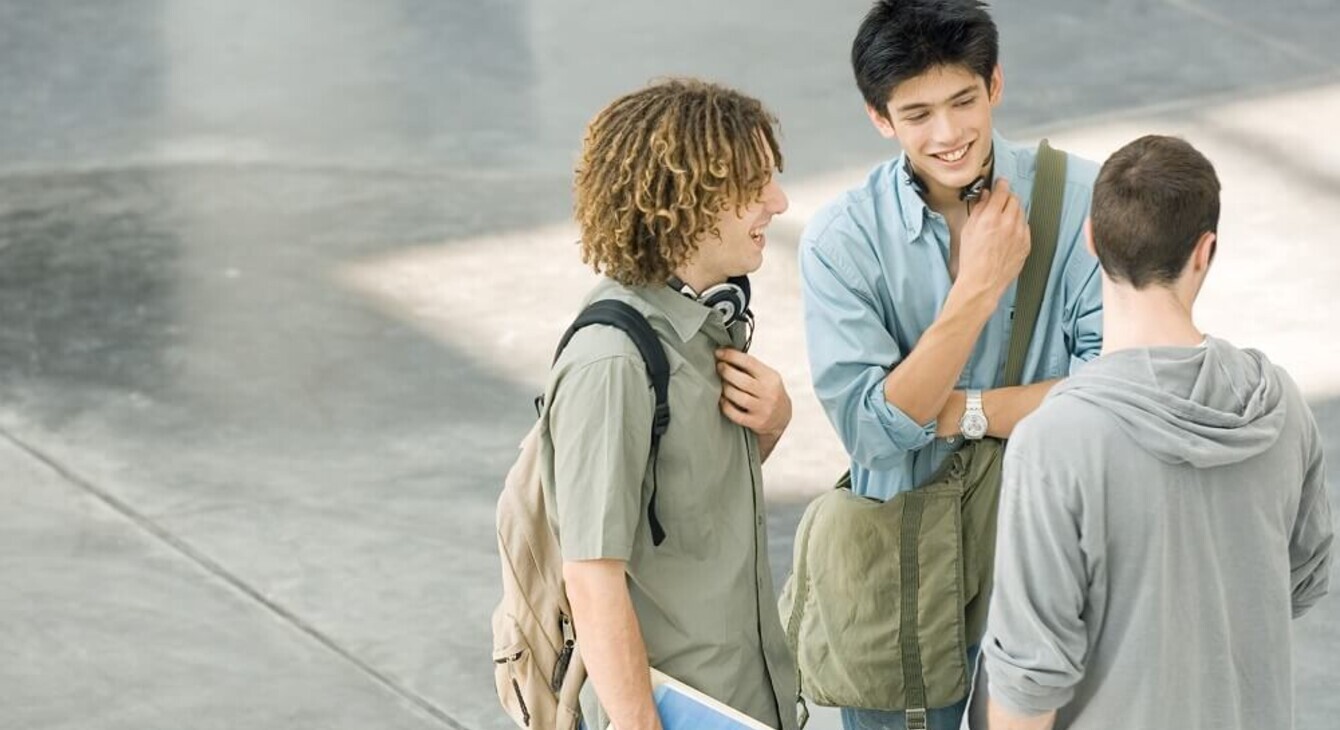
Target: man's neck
[(1153, 317), (945, 201), (942, 200), (699, 281), (949, 202)]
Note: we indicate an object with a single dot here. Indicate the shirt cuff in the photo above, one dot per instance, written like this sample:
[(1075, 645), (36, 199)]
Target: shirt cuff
[(902, 431), (1006, 686)]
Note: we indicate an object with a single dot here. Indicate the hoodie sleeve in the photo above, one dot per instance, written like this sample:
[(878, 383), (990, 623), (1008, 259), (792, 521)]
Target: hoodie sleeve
[(1313, 533), (1036, 639)]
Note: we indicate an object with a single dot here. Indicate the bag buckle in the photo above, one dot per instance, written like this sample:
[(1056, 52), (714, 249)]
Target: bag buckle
[(916, 718)]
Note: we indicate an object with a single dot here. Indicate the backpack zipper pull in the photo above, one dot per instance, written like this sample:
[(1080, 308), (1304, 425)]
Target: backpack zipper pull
[(564, 656)]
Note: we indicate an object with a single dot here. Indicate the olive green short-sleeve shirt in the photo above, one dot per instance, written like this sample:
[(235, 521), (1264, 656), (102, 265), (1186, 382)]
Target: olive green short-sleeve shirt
[(704, 597)]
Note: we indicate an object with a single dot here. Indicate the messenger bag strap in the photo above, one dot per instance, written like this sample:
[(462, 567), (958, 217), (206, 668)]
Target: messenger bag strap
[(914, 684), (1044, 222)]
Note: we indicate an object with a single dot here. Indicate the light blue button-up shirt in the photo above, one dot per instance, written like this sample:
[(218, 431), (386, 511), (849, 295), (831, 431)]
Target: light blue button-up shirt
[(874, 267)]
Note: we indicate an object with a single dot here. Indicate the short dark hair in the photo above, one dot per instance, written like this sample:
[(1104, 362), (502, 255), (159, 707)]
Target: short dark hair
[(901, 39), (1153, 200)]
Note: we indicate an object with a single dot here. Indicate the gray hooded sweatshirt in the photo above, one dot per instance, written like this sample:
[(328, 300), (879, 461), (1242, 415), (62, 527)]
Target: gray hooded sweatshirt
[(1163, 517)]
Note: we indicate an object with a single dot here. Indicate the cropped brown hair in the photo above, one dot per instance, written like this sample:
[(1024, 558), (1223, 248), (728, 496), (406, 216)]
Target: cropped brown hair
[(1153, 200), (659, 165)]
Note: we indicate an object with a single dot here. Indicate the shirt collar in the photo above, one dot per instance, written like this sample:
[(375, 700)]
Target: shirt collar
[(914, 209), (685, 316)]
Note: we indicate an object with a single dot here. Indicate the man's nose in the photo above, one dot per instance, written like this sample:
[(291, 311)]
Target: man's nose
[(943, 129), (775, 198)]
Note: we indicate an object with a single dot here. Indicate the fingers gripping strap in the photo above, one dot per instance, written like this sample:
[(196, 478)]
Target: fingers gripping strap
[(1044, 222), (631, 321)]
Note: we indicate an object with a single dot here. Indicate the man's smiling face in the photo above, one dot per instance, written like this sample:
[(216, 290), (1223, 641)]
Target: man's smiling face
[(942, 118)]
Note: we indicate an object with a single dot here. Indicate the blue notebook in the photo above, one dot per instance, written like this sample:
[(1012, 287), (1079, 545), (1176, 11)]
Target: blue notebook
[(683, 708)]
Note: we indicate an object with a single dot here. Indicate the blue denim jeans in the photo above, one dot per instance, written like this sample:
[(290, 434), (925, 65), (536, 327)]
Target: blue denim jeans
[(943, 718), (940, 718)]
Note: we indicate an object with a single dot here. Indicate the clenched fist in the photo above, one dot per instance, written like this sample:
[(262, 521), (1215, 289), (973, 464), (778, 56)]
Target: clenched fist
[(994, 243)]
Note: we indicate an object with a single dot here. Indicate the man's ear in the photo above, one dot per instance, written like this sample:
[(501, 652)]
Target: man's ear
[(1205, 250), (882, 124), (1088, 237), (997, 82)]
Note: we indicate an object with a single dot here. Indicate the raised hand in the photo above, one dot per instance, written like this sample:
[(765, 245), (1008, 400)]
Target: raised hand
[(994, 243), (754, 396)]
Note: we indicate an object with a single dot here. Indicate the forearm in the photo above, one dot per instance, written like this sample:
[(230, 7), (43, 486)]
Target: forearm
[(1004, 407), (611, 641), (921, 384), (999, 718)]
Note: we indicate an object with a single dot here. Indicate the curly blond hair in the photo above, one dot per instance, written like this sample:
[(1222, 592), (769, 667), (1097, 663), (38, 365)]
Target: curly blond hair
[(659, 165)]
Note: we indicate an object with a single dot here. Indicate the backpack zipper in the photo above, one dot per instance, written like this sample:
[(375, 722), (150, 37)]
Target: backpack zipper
[(516, 686), (525, 714), (564, 656)]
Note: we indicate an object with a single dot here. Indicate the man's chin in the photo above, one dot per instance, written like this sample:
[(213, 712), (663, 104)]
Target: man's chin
[(956, 178), (957, 181)]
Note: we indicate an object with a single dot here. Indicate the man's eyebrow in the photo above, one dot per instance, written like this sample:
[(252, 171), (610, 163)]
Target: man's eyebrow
[(923, 105)]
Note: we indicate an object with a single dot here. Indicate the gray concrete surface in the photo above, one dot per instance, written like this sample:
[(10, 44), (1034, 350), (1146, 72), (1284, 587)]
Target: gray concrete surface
[(278, 281)]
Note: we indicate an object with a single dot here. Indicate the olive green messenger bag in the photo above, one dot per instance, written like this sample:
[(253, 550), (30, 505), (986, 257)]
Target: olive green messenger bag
[(886, 596)]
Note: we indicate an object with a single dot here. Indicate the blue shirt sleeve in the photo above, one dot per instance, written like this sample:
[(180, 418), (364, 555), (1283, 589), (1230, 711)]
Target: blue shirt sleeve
[(1084, 303), (851, 353)]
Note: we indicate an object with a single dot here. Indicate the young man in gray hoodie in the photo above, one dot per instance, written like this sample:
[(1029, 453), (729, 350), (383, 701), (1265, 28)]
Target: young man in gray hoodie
[(1164, 512)]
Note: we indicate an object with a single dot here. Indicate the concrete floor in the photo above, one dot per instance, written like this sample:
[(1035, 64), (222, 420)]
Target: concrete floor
[(278, 281)]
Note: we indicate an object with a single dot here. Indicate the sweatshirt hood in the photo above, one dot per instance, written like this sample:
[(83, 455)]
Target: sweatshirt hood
[(1205, 406)]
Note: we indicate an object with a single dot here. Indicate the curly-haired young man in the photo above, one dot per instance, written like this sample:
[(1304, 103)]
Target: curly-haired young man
[(674, 193)]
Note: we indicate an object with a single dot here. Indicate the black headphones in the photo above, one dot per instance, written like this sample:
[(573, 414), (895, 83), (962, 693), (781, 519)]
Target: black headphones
[(970, 193), (730, 298)]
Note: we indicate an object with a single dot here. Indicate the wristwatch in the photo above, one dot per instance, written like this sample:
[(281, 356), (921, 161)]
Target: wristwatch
[(973, 422)]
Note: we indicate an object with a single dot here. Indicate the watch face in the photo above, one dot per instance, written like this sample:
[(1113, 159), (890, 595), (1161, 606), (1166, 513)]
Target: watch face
[(973, 425)]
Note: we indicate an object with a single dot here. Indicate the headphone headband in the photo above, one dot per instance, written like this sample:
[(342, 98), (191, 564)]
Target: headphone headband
[(730, 298)]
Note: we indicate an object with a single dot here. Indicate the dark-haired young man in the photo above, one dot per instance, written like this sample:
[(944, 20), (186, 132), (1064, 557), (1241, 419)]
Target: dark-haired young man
[(1164, 512), (677, 183), (909, 285)]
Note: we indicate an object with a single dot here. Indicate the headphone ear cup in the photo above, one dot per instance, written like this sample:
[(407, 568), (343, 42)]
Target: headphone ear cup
[(730, 299), (745, 289)]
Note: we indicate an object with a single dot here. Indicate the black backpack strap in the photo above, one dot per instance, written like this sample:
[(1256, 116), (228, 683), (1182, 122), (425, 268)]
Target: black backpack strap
[(631, 321)]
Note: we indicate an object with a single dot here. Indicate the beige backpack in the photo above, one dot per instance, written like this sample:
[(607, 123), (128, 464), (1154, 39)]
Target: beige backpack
[(537, 666)]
